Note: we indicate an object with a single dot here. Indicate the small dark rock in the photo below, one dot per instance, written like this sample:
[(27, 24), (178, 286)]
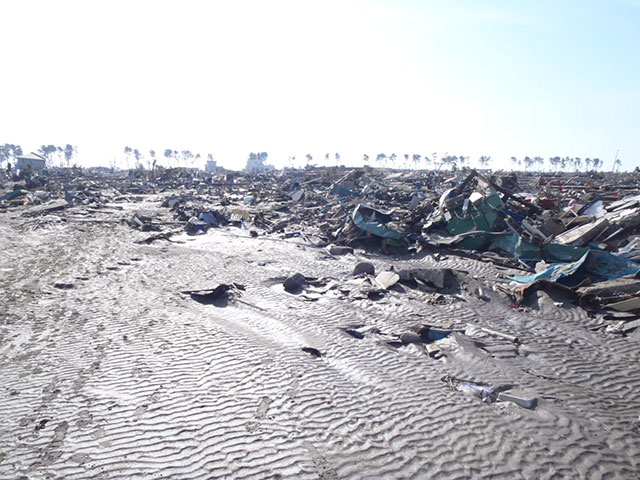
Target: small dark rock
[(294, 282), (364, 267)]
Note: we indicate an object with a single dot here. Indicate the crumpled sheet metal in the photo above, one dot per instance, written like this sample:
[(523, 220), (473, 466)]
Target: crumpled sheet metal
[(374, 221), (595, 264), (580, 262)]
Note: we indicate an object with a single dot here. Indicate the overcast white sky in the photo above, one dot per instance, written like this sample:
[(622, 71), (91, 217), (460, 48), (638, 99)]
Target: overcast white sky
[(498, 78)]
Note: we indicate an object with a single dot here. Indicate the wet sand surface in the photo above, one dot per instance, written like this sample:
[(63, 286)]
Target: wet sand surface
[(108, 372)]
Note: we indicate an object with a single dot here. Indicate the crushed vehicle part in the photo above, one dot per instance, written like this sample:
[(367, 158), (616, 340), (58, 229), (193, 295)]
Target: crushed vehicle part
[(375, 222)]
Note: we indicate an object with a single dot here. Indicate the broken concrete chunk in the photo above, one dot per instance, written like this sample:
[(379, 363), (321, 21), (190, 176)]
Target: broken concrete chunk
[(387, 279)]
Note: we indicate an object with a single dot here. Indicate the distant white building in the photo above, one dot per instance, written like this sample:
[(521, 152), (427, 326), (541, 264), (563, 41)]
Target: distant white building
[(211, 166), (35, 161)]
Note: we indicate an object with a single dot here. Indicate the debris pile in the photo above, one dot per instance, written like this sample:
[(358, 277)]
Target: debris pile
[(577, 234)]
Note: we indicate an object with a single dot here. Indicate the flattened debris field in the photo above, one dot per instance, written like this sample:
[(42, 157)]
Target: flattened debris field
[(330, 323)]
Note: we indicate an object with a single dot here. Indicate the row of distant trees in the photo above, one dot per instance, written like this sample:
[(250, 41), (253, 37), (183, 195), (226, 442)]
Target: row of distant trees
[(9, 152), (450, 162), (58, 155), (174, 158), (561, 163), (260, 156), (407, 161)]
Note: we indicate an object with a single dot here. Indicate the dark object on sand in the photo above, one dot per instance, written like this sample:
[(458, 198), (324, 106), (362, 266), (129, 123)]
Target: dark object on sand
[(364, 267), (214, 296), (354, 333), (312, 351), (294, 282)]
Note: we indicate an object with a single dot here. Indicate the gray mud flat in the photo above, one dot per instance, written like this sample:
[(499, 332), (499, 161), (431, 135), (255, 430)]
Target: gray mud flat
[(108, 372)]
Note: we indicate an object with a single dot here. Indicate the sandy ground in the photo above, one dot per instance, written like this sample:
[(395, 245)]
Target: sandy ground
[(120, 376)]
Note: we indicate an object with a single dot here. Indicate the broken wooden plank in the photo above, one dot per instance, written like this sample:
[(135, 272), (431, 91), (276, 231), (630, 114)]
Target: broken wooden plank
[(581, 235), (627, 305)]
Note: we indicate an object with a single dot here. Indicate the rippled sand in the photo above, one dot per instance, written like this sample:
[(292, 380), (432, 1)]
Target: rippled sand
[(113, 374)]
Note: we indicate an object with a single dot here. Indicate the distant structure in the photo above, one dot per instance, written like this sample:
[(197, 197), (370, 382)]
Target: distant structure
[(255, 164), (211, 166), (35, 161)]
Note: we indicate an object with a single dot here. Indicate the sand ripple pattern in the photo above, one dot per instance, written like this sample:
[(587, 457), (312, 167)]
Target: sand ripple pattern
[(121, 377)]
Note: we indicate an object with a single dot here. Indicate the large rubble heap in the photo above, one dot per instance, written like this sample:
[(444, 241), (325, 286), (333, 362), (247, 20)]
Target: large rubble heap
[(568, 231)]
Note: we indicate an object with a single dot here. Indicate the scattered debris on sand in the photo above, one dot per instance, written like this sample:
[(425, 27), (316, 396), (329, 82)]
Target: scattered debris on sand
[(476, 306)]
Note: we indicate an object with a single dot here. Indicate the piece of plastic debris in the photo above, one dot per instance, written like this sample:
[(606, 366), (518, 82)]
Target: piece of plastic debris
[(506, 336), (486, 394), (519, 398)]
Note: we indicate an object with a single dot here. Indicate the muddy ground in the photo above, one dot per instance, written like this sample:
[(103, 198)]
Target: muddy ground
[(107, 371)]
